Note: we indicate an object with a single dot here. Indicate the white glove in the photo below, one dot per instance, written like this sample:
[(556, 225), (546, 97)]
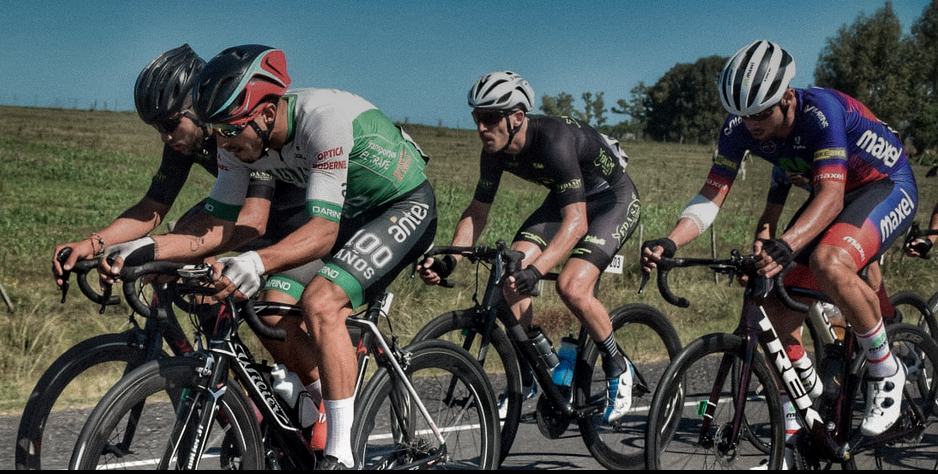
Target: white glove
[(124, 250), (244, 271)]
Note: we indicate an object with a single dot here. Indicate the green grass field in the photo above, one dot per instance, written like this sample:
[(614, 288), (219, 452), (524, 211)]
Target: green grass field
[(66, 173)]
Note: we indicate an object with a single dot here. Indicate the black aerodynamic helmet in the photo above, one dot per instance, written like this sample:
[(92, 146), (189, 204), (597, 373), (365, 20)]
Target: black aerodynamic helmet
[(237, 80), (164, 87)]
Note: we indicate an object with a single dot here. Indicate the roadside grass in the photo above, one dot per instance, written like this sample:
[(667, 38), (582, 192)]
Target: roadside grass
[(66, 173)]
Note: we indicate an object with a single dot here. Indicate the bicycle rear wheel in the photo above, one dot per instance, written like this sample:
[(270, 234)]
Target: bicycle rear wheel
[(465, 328), (684, 443), (390, 432), (47, 429), (148, 399), (648, 339), (919, 353)]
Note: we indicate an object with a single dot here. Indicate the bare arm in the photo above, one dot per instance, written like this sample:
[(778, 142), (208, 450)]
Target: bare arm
[(134, 223)]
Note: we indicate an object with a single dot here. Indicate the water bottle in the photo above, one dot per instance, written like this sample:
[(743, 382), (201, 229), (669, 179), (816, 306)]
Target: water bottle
[(545, 348), (563, 374), (299, 403), (819, 318)]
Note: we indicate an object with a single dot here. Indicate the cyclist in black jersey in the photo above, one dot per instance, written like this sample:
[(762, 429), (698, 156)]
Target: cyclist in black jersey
[(162, 96), (591, 210)]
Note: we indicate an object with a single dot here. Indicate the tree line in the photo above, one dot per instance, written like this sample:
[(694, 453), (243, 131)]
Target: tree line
[(894, 74)]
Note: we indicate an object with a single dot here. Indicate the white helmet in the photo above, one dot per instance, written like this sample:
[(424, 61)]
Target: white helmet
[(755, 78), (503, 90)]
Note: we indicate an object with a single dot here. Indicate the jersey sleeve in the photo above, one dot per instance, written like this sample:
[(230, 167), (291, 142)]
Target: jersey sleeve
[(230, 188), (170, 177), (490, 175), (331, 142)]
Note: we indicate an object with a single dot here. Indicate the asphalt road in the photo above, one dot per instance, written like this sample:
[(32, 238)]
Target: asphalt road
[(531, 450)]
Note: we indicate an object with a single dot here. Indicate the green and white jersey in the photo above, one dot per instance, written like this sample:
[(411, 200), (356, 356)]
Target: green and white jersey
[(350, 157)]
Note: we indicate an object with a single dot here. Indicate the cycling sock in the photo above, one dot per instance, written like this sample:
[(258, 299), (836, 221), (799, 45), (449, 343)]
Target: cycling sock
[(315, 392), (805, 370), (885, 307), (341, 414), (614, 363), (880, 362), (792, 422)]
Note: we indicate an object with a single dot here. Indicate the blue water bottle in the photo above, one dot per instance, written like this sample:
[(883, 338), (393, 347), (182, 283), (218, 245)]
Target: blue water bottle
[(563, 374)]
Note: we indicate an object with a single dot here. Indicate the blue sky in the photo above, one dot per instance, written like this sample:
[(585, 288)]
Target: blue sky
[(413, 59)]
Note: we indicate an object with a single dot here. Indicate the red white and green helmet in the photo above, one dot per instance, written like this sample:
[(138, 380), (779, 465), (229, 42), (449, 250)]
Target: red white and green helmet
[(755, 78), (237, 80)]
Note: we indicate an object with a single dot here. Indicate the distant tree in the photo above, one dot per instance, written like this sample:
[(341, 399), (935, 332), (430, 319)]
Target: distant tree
[(684, 106), (871, 61), (923, 123), (561, 105), (587, 114), (596, 108)]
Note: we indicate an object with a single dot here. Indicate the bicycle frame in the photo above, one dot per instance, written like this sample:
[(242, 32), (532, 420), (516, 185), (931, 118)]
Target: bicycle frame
[(226, 353), (756, 329)]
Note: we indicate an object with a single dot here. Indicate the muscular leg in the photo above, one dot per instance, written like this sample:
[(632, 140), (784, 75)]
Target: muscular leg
[(325, 308), (575, 286), (836, 274), (296, 351)]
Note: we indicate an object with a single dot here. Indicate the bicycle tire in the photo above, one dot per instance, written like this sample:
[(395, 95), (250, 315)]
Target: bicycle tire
[(156, 388), (691, 372), (46, 430), (463, 327), (919, 352), (915, 311), (470, 427), (648, 339)]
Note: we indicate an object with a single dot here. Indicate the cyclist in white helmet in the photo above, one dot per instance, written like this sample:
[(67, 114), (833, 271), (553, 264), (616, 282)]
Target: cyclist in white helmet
[(859, 176), (591, 210)]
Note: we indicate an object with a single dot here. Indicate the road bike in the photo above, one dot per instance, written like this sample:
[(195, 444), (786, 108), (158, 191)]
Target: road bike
[(47, 429), (733, 418), (645, 336), (424, 405)]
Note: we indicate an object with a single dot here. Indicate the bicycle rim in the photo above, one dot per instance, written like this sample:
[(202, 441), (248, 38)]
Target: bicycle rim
[(148, 398), (919, 352), (463, 328), (915, 311), (390, 432), (686, 445), (647, 338), (48, 428)]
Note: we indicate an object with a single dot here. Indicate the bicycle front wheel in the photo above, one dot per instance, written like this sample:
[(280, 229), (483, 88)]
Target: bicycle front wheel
[(47, 429), (919, 353), (712, 429), (915, 311), (649, 341), (163, 400), (465, 328), (390, 431)]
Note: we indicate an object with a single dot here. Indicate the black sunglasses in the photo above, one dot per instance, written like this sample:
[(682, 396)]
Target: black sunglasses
[(169, 125), (762, 115), (489, 118)]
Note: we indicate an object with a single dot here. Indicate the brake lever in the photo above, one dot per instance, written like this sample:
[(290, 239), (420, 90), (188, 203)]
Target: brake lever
[(66, 274)]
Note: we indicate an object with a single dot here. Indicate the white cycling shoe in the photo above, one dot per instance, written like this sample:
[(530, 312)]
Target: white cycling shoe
[(527, 391), (618, 396), (883, 402)]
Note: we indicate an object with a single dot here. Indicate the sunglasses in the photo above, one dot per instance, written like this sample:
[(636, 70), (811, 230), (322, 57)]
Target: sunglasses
[(169, 125), (762, 115), (229, 130), (489, 118)]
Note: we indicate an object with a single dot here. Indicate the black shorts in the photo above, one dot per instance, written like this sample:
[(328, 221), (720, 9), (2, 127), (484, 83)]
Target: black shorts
[(612, 214)]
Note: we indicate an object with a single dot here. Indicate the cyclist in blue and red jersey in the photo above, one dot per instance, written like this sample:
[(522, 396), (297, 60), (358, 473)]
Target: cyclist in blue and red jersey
[(863, 197)]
